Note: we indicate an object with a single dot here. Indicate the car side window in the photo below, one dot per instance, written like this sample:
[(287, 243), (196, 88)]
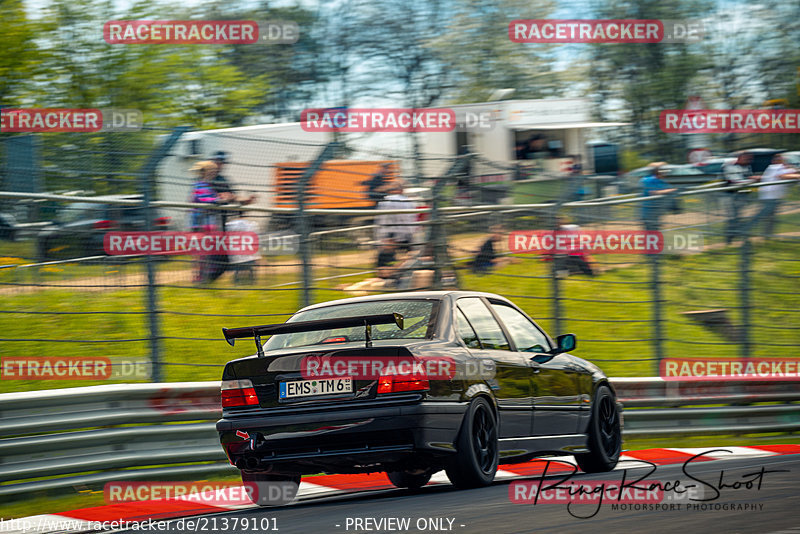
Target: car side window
[(466, 332), (524, 333), (489, 332)]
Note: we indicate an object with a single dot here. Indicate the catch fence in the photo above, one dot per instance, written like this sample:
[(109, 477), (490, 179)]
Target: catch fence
[(722, 286)]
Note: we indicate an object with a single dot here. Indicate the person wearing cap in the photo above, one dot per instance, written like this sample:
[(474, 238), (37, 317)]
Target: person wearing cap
[(222, 185), (653, 185)]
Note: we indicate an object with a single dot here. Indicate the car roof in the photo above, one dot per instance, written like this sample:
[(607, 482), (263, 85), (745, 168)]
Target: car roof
[(756, 151), (422, 295)]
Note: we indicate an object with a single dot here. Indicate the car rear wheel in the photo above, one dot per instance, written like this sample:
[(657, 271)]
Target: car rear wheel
[(605, 435), (477, 456), (410, 480), (270, 490)]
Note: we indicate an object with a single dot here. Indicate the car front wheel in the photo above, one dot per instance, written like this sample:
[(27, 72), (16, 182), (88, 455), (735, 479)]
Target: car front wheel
[(605, 435)]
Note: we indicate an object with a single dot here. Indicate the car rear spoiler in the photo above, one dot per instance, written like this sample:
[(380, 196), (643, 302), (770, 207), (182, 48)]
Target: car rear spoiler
[(232, 334)]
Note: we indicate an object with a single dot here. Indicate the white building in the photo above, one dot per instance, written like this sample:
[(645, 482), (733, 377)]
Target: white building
[(564, 126)]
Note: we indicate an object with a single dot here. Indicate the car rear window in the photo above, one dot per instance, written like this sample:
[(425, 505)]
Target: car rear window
[(418, 317)]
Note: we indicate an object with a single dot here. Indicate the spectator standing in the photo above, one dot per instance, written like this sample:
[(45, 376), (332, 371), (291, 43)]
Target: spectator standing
[(400, 227), (243, 265), (204, 193), (770, 196), (738, 173), (205, 219), (219, 182), (653, 185), (226, 193)]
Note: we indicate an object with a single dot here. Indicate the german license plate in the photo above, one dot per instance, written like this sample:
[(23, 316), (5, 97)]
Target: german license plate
[(311, 388)]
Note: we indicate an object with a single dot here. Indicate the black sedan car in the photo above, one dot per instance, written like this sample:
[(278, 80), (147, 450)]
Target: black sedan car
[(410, 384)]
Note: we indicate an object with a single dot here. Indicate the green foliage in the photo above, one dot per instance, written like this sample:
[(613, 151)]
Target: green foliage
[(630, 160), (21, 56)]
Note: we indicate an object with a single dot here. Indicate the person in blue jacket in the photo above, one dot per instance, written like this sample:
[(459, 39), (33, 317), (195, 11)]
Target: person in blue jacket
[(653, 185)]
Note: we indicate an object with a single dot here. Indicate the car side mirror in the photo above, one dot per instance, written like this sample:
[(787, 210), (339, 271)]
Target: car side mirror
[(566, 343)]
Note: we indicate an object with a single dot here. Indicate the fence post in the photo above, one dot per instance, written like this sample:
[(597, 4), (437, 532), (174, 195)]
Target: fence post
[(148, 175), (658, 334), (302, 224), (438, 236), (744, 295), (555, 282)]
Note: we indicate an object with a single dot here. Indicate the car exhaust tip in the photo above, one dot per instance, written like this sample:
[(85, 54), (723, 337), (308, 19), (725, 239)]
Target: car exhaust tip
[(251, 463)]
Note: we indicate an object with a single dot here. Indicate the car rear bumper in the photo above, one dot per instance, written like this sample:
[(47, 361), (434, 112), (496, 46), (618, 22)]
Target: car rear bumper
[(342, 440)]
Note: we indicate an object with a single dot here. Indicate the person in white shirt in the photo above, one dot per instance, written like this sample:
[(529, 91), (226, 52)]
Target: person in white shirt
[(771, 195), (399, 227), (243, 265)]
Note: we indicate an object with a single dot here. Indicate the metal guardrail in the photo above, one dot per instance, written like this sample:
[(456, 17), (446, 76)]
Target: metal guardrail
[(68, 438)]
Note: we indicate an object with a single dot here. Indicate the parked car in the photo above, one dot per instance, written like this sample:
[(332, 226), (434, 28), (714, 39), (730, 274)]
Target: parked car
[(79, 227), (762, 157), (514, 393), (714, 166), (678, 175), (8, 227), (792, 158)]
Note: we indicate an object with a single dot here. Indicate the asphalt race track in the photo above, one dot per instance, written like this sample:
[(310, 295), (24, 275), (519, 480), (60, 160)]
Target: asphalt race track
[(770, 508)]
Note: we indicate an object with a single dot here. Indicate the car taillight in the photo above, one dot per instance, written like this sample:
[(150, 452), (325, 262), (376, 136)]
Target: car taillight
[(104, 225), (399, 384), (337, 339), (162, 221), (238, 393)]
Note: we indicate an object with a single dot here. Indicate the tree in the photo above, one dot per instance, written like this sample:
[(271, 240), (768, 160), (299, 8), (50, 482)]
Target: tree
[(479, 55), (21, 55), (645, 79)]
